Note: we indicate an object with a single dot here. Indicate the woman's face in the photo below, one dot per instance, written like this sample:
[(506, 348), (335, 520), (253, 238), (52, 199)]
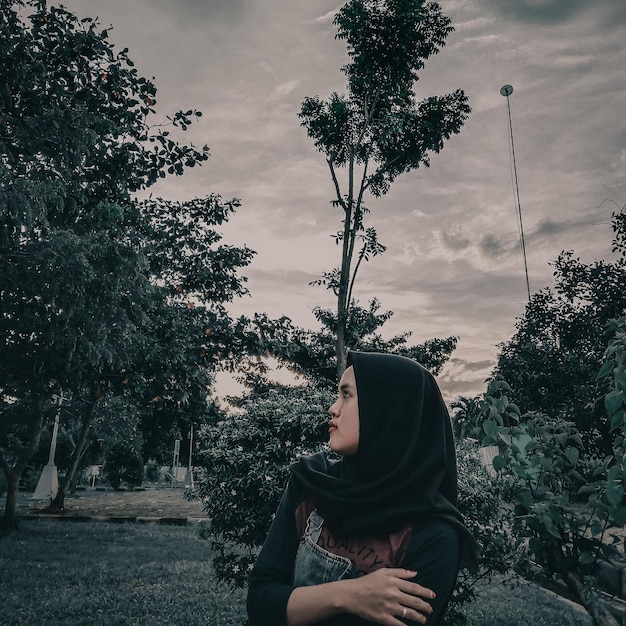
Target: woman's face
[(343, 427)]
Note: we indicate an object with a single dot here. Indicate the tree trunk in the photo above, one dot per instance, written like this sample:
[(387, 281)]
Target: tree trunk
[(9, 520), (590, 598), (58, 503), (341, 347), (13, 474)]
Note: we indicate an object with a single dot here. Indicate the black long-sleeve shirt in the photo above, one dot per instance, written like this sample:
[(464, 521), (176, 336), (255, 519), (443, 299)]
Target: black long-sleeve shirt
[(431, 548)]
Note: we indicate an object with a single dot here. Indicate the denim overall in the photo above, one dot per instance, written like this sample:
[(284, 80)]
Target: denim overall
[(314, 565)]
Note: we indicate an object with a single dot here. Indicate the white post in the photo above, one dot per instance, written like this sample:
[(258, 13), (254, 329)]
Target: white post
[(175, 461), (48, 484), (189, 477)]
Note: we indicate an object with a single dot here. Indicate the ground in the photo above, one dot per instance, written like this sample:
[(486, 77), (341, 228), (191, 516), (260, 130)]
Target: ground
[(147, 504)]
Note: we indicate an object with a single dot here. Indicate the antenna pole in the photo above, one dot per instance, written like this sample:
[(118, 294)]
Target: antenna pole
[(506, 91)]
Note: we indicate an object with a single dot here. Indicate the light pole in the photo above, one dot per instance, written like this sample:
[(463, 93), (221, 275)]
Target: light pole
[(506, 91)]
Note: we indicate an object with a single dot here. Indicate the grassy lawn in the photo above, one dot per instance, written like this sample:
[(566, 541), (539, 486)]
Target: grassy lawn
[(115, 574), (104, 573)]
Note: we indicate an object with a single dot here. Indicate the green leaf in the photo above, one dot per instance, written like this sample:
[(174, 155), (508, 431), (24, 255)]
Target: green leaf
[(614, 493), (572, 455), (499, 462), (513, 408), (535, 545), (504, 436), (618, 514), (617, 420), (586, 489), (490, 428), (613, 401), (607, 366), (574, 475), (552, 530)]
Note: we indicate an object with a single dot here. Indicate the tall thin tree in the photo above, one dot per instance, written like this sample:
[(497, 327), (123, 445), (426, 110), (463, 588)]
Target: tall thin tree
[(378, 130)]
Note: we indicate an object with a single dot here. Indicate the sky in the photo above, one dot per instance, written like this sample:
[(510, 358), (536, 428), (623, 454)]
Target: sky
[(454, 264)]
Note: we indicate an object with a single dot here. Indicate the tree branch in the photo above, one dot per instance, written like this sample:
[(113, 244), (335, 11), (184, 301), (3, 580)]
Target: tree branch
[(341, 201)]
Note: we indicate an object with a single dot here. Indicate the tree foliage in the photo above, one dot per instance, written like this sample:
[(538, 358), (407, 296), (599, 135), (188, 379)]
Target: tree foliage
[(91, 278), (311, 354), (378, 130), (484, 504), (570, 505), (245, 460), (552, 359)]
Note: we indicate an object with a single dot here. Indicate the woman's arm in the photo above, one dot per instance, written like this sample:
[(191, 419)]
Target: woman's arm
[(433, 553), (382, 597), (271, 581)]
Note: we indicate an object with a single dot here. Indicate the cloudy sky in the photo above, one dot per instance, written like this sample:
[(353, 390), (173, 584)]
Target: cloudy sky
[(454, 264)]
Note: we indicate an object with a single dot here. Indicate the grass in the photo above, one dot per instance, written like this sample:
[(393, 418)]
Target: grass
[(98, 573), (523, 604), (121, 574)]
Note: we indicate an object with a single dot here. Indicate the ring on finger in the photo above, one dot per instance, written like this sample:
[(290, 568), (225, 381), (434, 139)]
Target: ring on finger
[(403, 612)]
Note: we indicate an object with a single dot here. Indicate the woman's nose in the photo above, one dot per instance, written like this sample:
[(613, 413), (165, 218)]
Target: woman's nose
[(333, 410)]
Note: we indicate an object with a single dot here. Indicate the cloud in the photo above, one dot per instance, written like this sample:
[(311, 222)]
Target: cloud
[(492, 246), (285, 88), (460, 377), (455, 239), (538, 11), (327, 18), (196, 11)]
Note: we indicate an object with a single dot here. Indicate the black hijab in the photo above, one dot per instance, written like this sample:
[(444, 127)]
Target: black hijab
[(405, 468)]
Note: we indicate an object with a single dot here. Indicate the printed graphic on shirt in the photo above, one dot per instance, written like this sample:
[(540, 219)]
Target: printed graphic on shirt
[(367, 552)]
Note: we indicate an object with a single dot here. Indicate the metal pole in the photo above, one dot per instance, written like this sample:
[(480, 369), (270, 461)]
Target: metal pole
[(506, 91)]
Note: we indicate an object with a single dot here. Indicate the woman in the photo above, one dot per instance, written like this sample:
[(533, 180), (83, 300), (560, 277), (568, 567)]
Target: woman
[(374, 538)]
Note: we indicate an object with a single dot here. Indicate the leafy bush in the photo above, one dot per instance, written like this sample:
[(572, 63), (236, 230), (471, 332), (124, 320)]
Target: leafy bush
[(152, 471), (123, 463), (483, 503), (569, 519), (245, 469)]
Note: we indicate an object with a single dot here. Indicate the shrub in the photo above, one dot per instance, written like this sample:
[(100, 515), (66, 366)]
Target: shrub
[(483, 503), (123, 463), (245, 469), (152, 471), (568, 510)]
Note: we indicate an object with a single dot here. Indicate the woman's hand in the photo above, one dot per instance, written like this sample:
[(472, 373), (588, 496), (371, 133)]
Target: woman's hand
[(387, 595)]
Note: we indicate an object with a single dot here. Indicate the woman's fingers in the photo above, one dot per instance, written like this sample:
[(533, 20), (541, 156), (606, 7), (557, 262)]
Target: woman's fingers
[(416, 589), (388, 595)]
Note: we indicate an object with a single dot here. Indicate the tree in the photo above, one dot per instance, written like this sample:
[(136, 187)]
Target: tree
[(377, 130), (466, 418), (312, 353), (559, 342), (172, 357), (84, 291)]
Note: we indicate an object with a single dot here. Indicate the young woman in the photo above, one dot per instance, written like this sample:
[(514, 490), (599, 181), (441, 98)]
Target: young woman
[(375, 537)]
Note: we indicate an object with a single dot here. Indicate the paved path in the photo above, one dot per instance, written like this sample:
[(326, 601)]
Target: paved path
[(152, 504)]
